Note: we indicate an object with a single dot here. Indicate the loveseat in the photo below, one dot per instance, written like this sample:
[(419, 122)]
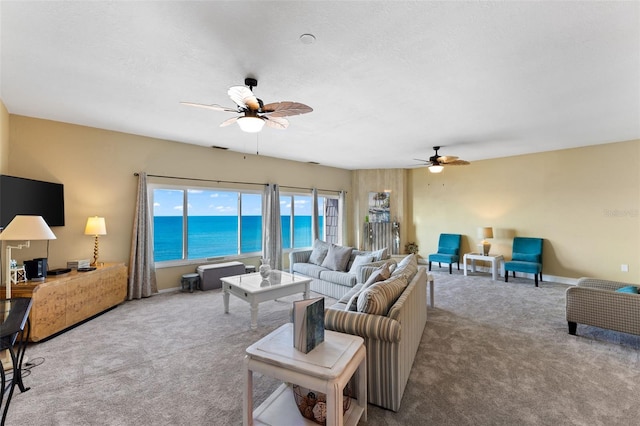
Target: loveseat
[(605, 304), (391, 337), (333, 269)]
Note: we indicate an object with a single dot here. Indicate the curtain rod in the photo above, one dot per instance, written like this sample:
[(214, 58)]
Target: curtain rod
[(236, 182)]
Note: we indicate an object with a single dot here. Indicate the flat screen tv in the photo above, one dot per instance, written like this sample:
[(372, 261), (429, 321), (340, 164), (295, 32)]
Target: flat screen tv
[(31, 197)]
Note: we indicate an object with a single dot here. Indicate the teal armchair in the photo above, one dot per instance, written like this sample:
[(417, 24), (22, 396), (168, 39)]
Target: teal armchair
[(526, 257), (448, 251)]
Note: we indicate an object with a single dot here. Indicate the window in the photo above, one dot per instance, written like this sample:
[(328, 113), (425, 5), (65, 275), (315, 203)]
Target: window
[(295, 213), (199, 223)]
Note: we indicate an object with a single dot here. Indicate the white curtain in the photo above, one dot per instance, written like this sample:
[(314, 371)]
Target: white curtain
[(271, 226), (142, 270), (315, 228), (342, 217)]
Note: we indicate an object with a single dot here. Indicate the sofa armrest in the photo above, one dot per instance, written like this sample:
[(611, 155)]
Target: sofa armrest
[(602, 284), (299, 256), (364, 325)]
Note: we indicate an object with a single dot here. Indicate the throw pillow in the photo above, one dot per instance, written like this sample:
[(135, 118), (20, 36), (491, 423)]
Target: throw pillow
[(379, 297), (319, 252), (628, 289), (381, 254), (337, 258), (380, 274), (360, 260), (355, 289), (407, 266)]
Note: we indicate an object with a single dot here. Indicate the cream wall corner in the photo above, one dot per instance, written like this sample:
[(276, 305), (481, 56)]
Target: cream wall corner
[(585, 203)]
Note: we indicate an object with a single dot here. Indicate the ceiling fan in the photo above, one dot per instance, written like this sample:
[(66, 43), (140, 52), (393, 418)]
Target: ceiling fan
[(437, 162), (255, 114)]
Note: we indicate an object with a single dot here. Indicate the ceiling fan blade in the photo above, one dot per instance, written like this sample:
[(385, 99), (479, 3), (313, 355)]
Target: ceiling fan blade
[(447, 158), (213, 107), (276, 122), (286, 108), (228, 122), (456, 163), (244, 98)]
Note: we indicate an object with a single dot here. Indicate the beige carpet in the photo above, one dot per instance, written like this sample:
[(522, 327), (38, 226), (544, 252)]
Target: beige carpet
[(491, 354)]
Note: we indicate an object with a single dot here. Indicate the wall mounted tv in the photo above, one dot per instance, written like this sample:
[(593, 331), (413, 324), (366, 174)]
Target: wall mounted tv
[(31, 197)]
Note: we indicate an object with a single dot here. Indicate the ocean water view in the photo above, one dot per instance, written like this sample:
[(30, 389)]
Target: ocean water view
[(214, 236)]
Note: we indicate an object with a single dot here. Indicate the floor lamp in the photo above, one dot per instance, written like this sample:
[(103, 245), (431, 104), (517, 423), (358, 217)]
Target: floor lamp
[(23, 228)]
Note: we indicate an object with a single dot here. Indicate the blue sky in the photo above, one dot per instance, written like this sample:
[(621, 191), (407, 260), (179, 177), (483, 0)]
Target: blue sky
[(220, 203)]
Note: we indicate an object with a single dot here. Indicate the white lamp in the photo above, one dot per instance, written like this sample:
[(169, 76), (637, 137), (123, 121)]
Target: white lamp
[(486, 232), (95, 226), (23, 228), (250, 124), (436, 169)]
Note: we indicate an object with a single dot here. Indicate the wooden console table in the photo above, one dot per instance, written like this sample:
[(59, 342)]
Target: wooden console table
[(62, 301)]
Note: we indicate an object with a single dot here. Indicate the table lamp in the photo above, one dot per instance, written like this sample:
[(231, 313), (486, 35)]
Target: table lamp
[(486, 232), (23, 228), (95, 226)]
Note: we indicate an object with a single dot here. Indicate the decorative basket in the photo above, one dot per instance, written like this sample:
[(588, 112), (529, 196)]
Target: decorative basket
[(313, 405)]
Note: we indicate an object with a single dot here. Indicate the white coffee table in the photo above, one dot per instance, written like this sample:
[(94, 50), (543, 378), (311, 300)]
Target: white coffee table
[(253, 289), (327, 369), (495, 259)]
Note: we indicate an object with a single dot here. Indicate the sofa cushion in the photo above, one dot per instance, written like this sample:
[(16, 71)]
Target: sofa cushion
[(381, 254), (308, 269), (337, 258), (407, 266), (360, 260), (342, 278), (525, 257), (447, 250), (355, 289), (628, 289), (380, 274), (379, 297), (319, 252)]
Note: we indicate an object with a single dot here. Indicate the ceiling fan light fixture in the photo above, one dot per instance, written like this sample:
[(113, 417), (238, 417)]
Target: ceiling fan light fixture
[(435, 169), (250, 124)]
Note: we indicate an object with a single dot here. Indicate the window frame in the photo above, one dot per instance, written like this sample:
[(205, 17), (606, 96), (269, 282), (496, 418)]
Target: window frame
[(152, 187)]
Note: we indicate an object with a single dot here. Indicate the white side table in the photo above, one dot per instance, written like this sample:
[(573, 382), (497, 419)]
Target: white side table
[(497, 261), (327, 368)]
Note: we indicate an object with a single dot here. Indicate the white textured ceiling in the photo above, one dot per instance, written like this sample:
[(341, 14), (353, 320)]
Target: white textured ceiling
[(387, 80)]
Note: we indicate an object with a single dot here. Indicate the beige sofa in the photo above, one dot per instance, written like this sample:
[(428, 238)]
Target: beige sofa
[(391, 340), (596, 302)]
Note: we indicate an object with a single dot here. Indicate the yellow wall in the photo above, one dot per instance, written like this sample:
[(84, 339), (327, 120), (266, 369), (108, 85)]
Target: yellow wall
[(97, 166), (584, 202)]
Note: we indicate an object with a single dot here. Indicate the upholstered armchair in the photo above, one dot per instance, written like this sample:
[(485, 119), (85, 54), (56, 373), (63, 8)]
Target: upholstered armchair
[(526, 257), (448, 251), (604, 304)]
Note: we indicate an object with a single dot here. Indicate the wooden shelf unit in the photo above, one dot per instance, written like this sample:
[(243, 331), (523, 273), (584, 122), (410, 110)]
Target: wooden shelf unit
[(62, 301)]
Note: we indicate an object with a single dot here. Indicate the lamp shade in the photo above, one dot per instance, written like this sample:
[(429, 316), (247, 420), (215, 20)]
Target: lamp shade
[(95, 226), (487, 232), (250, 124), (435, 169), (24, 228)]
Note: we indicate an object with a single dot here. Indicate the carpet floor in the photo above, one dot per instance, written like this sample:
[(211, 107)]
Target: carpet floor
[(492, 353)]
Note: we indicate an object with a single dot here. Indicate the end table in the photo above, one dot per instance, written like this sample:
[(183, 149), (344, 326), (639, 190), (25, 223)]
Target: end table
[(327, 368)]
